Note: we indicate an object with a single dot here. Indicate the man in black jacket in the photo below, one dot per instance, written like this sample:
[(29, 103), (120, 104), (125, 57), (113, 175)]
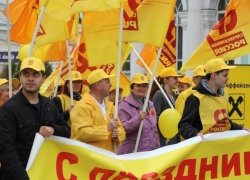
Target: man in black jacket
[(206, 108), (24, 115)]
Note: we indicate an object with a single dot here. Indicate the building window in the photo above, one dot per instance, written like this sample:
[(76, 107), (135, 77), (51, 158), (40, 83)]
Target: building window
[(179, 34), (126, 67)]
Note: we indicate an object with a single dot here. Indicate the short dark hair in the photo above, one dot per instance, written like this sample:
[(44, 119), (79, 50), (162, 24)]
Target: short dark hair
[(208, 76)]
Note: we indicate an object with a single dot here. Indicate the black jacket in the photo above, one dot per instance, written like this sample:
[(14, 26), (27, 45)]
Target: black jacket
[(19, 122), (161, 104), (190, 124)]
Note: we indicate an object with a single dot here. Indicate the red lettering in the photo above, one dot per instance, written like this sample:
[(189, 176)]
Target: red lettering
[(149, 176), (208, 167), (190, 164), (106, 173), (233, 163), (247, 162), (124, 175), (59, 164), (167, 173)]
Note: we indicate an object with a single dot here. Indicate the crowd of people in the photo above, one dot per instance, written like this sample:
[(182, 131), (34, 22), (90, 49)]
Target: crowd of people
[(90, 118)]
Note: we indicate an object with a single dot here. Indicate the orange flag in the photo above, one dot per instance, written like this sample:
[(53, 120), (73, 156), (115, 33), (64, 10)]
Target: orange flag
[(138, 17), (16, 9), (24, 26), (228, 39), (168, 54)]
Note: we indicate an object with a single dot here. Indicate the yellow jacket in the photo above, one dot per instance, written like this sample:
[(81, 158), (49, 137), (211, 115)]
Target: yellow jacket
[(89, 126)]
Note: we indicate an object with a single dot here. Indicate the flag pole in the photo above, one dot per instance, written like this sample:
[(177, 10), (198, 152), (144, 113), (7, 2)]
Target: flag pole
[(70, 74), (58, 79), (9, 48), (36, 29), (147, 98), (158, 84), (119, 59)]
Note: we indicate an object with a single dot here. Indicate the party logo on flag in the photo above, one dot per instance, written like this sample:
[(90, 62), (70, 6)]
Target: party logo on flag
[(108, 68), (168, 58), (41, 31), (228, 43), (130, 16)]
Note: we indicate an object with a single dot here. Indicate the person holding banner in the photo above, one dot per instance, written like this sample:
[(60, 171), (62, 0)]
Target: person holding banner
[(62, 101), (198, 74), (206, 108), (24, 115), (169, 81), (93, 119), (131, 114)]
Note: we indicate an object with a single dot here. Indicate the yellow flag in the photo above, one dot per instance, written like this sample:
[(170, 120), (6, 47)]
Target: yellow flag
[(51, 30), (101, 31), (148, 21), (82, 62), (168, 54), (124, 84), (58, 9), (94, 5), (228, 39)]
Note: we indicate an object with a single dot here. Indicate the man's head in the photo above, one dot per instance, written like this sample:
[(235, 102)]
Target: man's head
[(4, 91), (99, 82), (217, 72), (184, 83), (198, 74), (32, 74)]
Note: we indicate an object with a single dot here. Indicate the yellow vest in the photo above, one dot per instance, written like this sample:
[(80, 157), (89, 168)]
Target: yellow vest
[(181, 99), (65, 101), (213, 113)]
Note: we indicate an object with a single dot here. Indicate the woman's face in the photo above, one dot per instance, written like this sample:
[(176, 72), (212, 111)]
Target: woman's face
[(140, 90), (76, 86), (112, 95), (172, 82), (4, 94)]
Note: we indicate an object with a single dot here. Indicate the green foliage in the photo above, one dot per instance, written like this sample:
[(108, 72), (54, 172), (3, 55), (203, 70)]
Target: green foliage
[(48, 68)]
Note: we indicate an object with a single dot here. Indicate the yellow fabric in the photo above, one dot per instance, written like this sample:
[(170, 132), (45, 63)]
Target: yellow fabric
[(156, 14), (89, 126), (24, 26), (76, 75), (98, 75), (169, 72), (186, 79), (213, 113), (65, 101), (180, 101), (94, 5), (199, 71), (228, 39), (32, 63), (215, 65), (124, 84), (58, 9), (139, 78), (47, 33)]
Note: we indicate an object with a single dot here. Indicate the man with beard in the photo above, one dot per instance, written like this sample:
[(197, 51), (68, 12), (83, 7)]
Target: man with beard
[(24, 115)]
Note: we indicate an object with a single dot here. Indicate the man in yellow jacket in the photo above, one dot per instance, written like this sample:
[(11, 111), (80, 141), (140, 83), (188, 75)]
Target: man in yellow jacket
[(93, 119)]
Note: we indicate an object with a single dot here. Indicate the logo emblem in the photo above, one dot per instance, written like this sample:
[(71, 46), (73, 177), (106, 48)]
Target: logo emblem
[(236, 106), (31, 62)]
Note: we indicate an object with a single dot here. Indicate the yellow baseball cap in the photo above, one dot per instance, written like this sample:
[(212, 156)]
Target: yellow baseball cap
[(215, 65), (139, 78), (199, 71), (76, 75), (98, 75), (186, 79), (32, 63), (3, 81), (169, 72), (15, 82)]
